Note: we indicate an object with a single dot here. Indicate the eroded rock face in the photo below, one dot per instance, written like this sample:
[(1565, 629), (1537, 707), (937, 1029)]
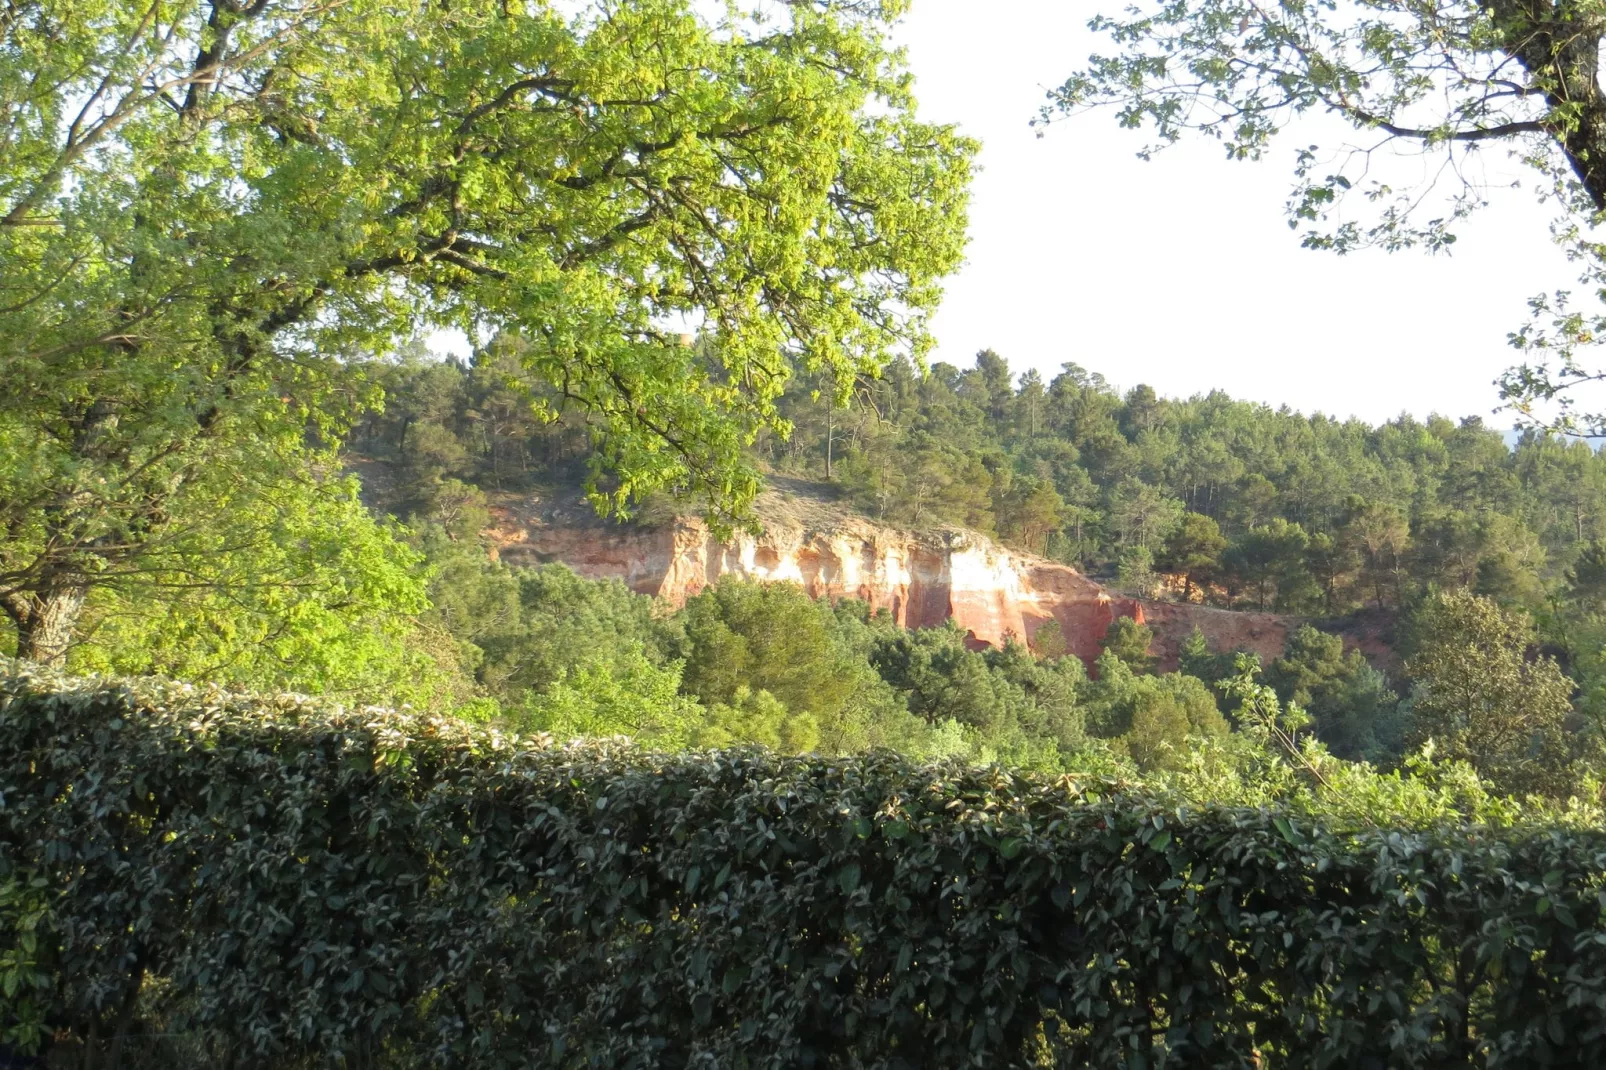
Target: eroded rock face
[(921, 578)]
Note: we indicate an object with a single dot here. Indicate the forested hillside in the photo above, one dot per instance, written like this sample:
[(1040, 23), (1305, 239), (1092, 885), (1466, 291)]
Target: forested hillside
[(1439, 529), (1244, 505), (1206, 499)]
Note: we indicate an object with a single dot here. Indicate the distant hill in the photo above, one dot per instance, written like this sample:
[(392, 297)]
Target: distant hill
[(923, 578)]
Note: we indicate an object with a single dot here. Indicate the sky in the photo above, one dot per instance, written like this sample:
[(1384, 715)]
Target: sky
[(1182, 272)]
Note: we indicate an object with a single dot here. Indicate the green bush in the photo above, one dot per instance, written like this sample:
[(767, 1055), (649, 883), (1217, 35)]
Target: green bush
[(286, 884)]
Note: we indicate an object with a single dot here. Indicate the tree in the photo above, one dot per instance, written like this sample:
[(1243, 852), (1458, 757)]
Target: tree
[(1194, 549), (1483, 699), (964, 496), (459, 508), (1032, 513), (1254, 502), (1511, 561), (1438, 75), (1441, 78), (758, 717), (207, 209), (1272, 558), (1006, 703), (1168, 711), (1080, 517), (625, 695), (1587, 577), (320, 599), (1380, 534), (560, 623), (1129, 641), (1151, 718), (1029, 404), (1196, 659), (765, 637), (1329, 561), (1157, 732), (1353, 709), (1142, 514), (1134, 571), (942, 679), (1049, 641), (992, 377), (1049, 687)]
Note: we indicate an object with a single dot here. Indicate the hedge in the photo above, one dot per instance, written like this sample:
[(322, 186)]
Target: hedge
[(277, 883)]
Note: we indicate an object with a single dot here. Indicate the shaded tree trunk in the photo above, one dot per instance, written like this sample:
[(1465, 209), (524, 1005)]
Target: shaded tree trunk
[(46, 621), (1560, 50)]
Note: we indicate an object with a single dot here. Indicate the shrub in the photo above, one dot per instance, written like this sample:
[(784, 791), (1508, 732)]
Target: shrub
[(288, 884)]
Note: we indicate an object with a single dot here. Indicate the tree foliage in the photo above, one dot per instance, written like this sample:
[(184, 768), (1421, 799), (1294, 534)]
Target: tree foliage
[(1355, 713), (1441, 80), (1194, 549), (1129, 641), (1311, 515), (1155, 720), (208, 209), (1484, 699)]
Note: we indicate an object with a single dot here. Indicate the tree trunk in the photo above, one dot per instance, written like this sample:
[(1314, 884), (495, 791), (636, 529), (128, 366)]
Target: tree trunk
[(830, 432), (1561, 53), (45, 628)]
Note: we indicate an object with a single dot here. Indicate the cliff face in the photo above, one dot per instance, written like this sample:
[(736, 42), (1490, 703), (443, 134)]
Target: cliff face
[(921, 578)]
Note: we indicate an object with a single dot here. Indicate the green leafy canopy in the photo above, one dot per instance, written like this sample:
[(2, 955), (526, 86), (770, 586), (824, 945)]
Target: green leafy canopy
[(207, 208)]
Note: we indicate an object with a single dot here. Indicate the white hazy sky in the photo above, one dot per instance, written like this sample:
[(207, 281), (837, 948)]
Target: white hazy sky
[(1182, 272)]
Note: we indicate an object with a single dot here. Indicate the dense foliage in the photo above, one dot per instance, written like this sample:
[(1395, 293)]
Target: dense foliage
[(1234, 502), (210, 210), (189, 877), (1204, 499), (1484, 701), (747, 663), (756, 663)]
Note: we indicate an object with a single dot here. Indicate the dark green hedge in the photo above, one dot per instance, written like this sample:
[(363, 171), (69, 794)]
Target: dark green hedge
[(283, 884)]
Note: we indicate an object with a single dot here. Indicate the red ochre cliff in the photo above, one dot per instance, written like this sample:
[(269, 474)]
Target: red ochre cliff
[(921, 578)]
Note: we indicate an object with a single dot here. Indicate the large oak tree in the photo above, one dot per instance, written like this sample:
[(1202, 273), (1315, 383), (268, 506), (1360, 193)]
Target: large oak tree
[(208, 206)]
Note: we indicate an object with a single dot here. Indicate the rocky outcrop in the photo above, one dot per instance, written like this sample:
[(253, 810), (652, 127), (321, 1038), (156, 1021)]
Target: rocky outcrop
[(921, 578)]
